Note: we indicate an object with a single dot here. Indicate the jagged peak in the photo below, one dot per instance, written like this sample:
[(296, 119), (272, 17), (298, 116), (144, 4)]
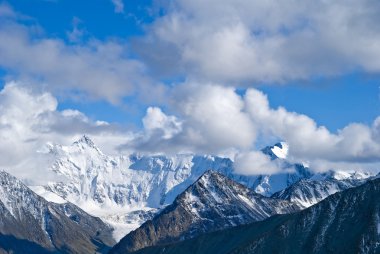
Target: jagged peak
[(342, 175), (214, 178), (279, 150), (9, 181), (210, 174), (85, 140), (12, 189), (4, 175)]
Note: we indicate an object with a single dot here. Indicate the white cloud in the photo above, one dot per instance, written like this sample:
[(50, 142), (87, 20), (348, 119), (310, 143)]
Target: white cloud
[(119, 6), (156, 120), (255, 163), (211, 121), (310, 142), (92, 69), (215, 119), (29, 119), (223, 41), (272, 41)]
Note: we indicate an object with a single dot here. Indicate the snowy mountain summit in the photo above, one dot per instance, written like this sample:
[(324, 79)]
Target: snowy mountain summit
[(96, 180), (126, 190), (277, 151), (123, 190)]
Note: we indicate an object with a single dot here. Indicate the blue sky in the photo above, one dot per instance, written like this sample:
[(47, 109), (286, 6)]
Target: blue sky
[(98, 16), (198, 76), (332, 102)]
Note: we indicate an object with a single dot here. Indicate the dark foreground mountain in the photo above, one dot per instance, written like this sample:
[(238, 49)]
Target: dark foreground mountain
[(213, 202), (30, 224), (346, 222)]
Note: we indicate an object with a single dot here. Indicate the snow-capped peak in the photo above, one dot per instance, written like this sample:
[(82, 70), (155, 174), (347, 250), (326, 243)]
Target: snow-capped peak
[(212, 203), (85, 141), (277, 151), (342, 175), (281, 150)]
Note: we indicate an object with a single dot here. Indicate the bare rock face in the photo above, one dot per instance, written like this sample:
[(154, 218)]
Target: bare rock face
[(212, 203), (30, 224)]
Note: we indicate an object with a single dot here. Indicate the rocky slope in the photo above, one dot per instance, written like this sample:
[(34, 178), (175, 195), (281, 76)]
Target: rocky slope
[(30, 224), (346, 222), (308, 192), (213, 202)]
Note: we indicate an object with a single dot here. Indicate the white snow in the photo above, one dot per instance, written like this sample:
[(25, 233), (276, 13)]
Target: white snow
[(281, 153), (109, 186), (246, 200), (340, 175), (121, 229), (49, 196)]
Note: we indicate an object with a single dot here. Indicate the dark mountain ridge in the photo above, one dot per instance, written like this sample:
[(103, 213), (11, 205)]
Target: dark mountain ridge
[(213, 202), (345, 222), (30, 224)]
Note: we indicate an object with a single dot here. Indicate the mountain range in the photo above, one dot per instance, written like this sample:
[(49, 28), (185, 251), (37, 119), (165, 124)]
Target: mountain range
[(345, 222), (213, 202), (116, 188), (153, 201)]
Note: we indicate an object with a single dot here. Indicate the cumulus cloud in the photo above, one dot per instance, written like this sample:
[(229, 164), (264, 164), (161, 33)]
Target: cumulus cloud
[(29, 119), (208, 118), (354, 143), (224, 42), (156, 120), (255, 163), (211, 121), (97, 69), (216, 119), (272, 41)]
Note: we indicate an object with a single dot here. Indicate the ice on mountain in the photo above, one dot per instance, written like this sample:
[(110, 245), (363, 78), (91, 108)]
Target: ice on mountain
[(281, 150)]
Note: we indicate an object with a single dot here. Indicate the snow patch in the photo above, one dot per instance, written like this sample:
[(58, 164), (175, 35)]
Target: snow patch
[(49, 196), (281, 152)]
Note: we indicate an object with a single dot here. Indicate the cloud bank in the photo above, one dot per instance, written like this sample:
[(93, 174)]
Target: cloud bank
[(216, 119), (273, 41), (211, 119), (30, 119), (91, 69), (215, 46)]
